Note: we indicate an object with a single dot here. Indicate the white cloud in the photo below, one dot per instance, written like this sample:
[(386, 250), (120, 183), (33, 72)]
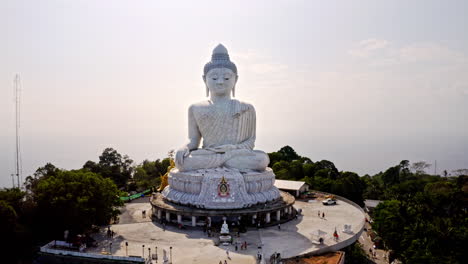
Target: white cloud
[(381, 53), (258, 63), (368, 47), (462, 88), (427, 52)]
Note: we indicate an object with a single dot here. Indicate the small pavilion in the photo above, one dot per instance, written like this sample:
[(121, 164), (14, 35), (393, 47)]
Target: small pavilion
[(293, 187)]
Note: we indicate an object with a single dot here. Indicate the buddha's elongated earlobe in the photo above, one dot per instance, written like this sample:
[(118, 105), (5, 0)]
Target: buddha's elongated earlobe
[(207, 90), (234, 88)]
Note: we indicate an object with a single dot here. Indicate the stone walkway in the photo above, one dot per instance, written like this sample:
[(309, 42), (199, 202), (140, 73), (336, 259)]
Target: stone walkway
[(193, 246), (366, 242)]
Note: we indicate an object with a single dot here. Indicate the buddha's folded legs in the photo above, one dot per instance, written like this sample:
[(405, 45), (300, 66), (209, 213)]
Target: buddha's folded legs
[(242, 159), (249, 160)]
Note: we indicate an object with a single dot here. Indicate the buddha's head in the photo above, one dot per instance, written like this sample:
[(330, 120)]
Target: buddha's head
[(220, 74)]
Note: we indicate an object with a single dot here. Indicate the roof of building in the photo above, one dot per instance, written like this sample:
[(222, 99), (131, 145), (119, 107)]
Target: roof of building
[(289, 185), (327, 258), (371, 203)]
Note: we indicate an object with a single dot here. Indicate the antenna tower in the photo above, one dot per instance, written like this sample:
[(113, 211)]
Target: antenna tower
[(18, 167)]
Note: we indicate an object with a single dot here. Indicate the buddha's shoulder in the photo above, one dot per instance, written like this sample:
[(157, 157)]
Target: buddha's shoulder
[(201, 104), (207, 104), (244, 106)]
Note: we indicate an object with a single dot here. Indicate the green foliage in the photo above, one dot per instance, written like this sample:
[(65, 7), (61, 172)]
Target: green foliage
[(13, 242), (354, 254), (321, 175), (374, 189), (8, 217), (112, 165), (115, 166), (42, 172), (429, 226), (148, 173), (75, 200), (285, 153), (12, 197)]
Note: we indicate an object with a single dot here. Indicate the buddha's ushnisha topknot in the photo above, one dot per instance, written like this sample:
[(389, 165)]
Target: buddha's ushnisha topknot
[(220, 59)]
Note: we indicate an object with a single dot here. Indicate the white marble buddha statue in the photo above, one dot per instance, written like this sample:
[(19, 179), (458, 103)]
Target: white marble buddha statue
[(224, 228), (226, 125)]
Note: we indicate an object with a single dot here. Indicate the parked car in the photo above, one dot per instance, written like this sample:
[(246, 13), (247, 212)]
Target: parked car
[(328, 201)]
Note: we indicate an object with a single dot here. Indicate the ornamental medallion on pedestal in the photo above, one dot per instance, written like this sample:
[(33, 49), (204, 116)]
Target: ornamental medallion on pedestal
[(223, 188)]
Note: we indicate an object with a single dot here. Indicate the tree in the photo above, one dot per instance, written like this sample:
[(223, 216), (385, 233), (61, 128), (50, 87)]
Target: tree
[(391, 176), (309, 169), (296, 170), (114, 166), (42, 172), (460, 172), (420, 167), (355, 254), (428, 226), (8, 218), (389, 223), (373, 188), (333, 172), (146, 175), (91, 166), (288, 153), (75, 200), (13, 242)]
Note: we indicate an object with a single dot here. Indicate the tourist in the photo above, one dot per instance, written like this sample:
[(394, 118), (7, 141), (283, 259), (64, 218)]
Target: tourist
[(220, 262), (235, 246), (279, 226), (225, 261), (323, 214), (245, 244), (318, 213), (335, 235), (227, 253)]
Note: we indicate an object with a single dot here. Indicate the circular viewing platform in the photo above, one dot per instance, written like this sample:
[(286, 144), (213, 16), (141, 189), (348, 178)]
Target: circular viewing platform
[(297, 237)]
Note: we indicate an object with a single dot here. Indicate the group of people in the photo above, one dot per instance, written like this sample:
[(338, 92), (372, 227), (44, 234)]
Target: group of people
[(243, 245)]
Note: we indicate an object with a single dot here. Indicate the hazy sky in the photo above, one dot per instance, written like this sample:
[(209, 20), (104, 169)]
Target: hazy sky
[(364, 84)]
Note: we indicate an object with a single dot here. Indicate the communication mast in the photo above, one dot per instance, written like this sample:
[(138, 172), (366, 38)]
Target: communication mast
[(18, 167)]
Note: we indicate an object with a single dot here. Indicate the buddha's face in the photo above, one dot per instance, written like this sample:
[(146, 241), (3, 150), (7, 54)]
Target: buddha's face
[(220, 81)]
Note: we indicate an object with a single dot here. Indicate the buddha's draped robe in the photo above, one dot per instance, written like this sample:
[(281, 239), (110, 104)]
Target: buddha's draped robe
[(232, 123)]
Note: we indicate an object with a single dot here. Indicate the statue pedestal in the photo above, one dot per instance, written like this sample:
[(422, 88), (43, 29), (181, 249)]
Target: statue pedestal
[(221, 188), (225, 239)]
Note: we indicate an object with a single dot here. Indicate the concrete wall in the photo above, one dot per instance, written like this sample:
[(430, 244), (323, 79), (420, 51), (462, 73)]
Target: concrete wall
[(81, 257)]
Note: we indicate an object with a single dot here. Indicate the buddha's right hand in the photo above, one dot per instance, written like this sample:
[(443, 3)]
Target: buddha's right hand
[(180, 155)]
